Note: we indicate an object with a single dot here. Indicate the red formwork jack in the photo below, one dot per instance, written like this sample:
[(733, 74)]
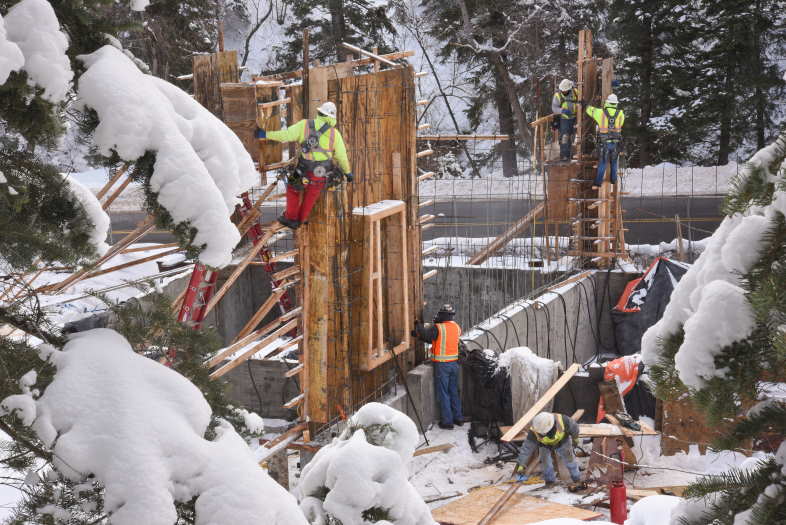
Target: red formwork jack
[(618, 497)]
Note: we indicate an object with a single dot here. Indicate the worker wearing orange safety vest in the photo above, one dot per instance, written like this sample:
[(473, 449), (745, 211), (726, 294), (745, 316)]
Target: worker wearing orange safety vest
[(443, 335), (321, 144), (610, 120)]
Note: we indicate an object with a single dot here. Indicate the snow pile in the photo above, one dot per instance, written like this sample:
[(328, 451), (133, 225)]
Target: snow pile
[(95, 213), (33, 26), (201, 165), (139, 5), (361, 477), (652, 510), (530, 377), (11, 58), (138, 427)]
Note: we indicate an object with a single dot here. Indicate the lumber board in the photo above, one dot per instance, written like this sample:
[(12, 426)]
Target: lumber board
[(541, 403), (150, 248), (437, 138), (115, 194), (129, 264), (263, 310), (583, 431), (436, 448), (503, 239), (519, 509), (114, 178), (253, 350), (352, 64)]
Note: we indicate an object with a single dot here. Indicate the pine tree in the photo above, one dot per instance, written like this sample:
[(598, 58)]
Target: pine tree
[(361, 23), (740, 368)]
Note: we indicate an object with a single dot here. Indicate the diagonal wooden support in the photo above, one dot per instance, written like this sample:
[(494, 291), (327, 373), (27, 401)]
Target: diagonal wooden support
[(268, 305), (502, 240), (253, 350)]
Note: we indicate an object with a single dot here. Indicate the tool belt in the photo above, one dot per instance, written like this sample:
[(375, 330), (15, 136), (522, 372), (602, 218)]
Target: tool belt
[(307, 171)]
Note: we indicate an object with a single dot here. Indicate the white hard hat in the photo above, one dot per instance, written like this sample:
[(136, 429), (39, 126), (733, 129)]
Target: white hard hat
[(543, 422), (327, 108), (566, 85), (612, 99)]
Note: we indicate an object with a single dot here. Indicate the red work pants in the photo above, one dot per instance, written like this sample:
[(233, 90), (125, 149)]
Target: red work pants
[(297, 210)]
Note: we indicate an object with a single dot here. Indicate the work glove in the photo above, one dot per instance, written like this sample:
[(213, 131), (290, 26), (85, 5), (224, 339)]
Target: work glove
[(261, 133), (521, 477), (349, 177), (615, 83), (566, 112)]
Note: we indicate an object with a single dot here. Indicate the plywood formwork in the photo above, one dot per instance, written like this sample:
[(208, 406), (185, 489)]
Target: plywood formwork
[(519, 509)]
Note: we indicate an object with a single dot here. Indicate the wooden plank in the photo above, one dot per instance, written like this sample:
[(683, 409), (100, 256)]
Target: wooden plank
[(492, 513), (263, 310), (256, 348), (503, 239), (541, 403), (287, 272), (436, 448), (426, 176), (291, 254), (294, 431), (429, 274), (114, 178), (274, 103), (150, 248), (583, 430), (520, 509), (375, 57), (352, 64), (234, 347), (115, 194), (129, 264), (294, 371), (297, 400), (253, 252)]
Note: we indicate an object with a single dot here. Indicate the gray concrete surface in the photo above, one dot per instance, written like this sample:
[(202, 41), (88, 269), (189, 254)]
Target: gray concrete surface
[(272, 387)]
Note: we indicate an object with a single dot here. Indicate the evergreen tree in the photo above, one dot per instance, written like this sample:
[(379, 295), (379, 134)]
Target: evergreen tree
[(725, 374), (362, 23)]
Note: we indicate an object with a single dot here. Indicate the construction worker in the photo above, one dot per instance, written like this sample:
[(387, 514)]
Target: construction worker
[(565, 106), (321, 144), (549, 432), (443, 335), (610, 120)]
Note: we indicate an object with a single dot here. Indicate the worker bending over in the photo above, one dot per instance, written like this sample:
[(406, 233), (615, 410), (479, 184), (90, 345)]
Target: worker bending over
[(444, 353), (320, 144), (550, 432), (610, 120), (565, 105)]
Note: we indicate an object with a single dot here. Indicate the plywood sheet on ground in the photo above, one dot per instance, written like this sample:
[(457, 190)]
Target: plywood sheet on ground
[(519, 510)]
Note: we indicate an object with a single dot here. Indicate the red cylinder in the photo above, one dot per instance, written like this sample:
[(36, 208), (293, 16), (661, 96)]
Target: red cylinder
[(618, 502)]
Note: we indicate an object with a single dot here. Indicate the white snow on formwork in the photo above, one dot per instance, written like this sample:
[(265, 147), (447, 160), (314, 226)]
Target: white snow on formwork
[(262, 353), (75, 302), (201, 166), (530, 376), (709, 302), (119, 417), (34, 27), (364, 468), (377, 207), (98, 217)]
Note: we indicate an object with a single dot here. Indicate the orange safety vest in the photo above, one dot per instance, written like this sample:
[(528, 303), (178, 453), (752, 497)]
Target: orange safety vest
[(445, 347), (609, 128)]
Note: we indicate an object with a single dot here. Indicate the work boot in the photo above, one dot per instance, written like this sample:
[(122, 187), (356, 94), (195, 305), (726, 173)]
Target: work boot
[(550, 484), (446, 426), (292, 225), (458, 422)]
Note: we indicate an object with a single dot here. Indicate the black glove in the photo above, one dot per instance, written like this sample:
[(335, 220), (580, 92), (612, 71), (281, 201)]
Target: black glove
[(413, 333), (261, 133), (349, 177)]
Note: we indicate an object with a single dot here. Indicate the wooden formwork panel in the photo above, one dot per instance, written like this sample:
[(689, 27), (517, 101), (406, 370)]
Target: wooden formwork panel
[(240, 114), (210, 71), (520, 509), (560, 190), (683, 424)]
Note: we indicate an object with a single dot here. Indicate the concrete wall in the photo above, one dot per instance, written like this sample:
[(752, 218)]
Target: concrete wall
[(567, 324), (478, 293), (274, 389)]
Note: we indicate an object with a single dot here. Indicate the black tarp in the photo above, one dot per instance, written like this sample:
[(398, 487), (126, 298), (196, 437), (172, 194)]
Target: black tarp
[(643, 302)]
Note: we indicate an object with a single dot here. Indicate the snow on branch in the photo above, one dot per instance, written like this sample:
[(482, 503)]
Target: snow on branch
[(98, 217), (201, 165), (11, 58), (361, 477), (33, 26), (138, 427)]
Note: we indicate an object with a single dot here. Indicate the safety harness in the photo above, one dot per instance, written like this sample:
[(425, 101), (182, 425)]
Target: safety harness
[(608, 129), (559, 435), (307, 162)]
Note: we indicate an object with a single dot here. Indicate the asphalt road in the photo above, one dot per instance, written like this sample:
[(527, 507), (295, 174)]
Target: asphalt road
[(649, 220)]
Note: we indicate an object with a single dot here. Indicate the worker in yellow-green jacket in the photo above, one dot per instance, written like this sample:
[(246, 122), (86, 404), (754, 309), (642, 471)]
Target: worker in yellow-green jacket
[(610, 120), (321, 147)]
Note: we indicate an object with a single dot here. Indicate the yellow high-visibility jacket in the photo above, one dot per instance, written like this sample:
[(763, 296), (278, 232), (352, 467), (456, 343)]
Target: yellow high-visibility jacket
[(297, 133), (606, 131)]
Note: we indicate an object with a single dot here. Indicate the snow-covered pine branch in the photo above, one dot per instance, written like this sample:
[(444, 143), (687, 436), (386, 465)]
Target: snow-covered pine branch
[(201, 166), (137, 427)]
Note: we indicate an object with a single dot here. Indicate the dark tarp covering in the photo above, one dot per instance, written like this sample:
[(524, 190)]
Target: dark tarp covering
[(643, 302), (487, 394)]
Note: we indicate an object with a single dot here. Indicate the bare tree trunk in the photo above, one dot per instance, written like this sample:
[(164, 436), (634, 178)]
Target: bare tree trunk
[(507, 148), (252, 32), (645, 99), (338, 25)]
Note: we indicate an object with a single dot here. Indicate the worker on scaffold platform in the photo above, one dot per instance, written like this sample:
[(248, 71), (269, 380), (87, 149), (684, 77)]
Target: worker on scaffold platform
[(610, 120), (443, 335), (320, 144), (564, 106)]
